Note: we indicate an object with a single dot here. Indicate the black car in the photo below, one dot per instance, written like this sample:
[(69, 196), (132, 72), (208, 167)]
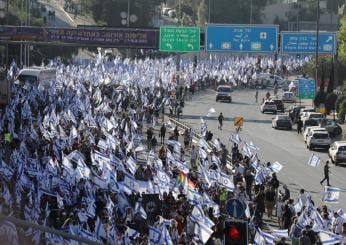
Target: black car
[(333, 128), (279, 105), (294, 111)]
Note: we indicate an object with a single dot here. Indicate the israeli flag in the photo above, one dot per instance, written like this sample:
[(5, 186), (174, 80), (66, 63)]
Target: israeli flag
[(329, 238), (276, 167), (280, 233), (139, 209), (331, 194), (314, 161), (99, 229), (154, 235), (226, 181), (253, 146), (130, 184), (235, 138), (262, 238), (131, 164), (247, 151)]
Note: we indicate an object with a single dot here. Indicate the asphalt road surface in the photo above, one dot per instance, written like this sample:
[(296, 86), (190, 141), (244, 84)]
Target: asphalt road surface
[(286, 147)]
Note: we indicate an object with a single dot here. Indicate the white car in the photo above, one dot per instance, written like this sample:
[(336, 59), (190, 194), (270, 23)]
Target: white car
[(288, 97), (282, 121), (318, 139), (303, 112), (312, 115), (269, 106), (337, 152), (308, 131)]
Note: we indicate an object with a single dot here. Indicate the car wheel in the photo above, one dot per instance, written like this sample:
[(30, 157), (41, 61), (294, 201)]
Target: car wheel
[(310, 147), (216, 99), (230, 100)]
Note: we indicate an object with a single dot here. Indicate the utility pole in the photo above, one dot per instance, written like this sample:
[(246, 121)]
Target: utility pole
[(317, 42), (209, 4), (250, 11)]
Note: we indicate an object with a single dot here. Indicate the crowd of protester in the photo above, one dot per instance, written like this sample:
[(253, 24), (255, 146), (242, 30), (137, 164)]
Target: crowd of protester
[(93, 155)]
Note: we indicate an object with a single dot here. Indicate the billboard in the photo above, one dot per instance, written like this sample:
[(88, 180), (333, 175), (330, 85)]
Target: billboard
[(116, 37)]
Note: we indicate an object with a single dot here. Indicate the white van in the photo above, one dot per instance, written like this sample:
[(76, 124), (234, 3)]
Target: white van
[(37, 75)]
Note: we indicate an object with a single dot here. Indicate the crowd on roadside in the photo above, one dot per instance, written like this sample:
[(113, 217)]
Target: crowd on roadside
[(89, 155)]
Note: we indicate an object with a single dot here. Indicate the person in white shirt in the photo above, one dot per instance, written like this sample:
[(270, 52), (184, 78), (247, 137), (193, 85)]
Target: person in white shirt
[(337, 223)]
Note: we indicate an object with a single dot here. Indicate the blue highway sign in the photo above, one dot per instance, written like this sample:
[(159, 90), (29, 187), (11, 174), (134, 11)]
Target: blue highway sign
[(235, 208), (306, 89), (241, 38), (305, 42)]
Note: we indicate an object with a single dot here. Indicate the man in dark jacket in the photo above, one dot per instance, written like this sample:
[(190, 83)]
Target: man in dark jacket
[(162, 133)]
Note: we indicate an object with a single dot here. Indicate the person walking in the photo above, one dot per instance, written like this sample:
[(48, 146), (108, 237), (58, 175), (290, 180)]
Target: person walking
[(220, 118), (256, 97), (326, 173), (162, 133), (299, 126)]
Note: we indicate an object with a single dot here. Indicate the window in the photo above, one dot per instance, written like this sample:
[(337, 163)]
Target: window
[(30, 79)]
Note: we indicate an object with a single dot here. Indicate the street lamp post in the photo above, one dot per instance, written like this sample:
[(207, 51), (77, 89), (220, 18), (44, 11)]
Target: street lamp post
[(317, 41)]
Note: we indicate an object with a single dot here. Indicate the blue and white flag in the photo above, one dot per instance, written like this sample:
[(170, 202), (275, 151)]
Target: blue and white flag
[(252, 146), (130, 184), (263, 238), (314, 160), (226, 182), (280, 233), (132, 165), (331, 194), (99, 229), (329, 238), (235, 138), (276, 167), (139, 209), (203, 232), (247, 150), (154, 235)]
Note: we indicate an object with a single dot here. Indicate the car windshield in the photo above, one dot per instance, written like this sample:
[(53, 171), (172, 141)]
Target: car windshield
[(320, 136), (270, 103), (316, 115), (283, 118), (224, 89), (342, 148), (30, 79), (311, 123)]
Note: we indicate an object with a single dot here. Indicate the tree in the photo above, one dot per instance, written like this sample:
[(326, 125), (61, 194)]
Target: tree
[(342, 41), (331, 97), (202, 14), (320, 97)]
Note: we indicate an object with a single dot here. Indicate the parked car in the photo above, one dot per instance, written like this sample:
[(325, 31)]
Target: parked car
[(310, 122), (309, 130), (269, 106), (318, 140), (337, 152), (312, 115), (333, 128), (279, 105), (282, 121), (288, 97), (223, 92)]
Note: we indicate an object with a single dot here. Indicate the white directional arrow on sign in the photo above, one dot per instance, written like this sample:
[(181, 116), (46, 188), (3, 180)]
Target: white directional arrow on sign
[(168, 45), (189, 45), (241, 46)]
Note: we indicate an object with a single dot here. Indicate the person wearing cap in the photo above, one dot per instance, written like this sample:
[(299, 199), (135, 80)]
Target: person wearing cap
[(326, 172)]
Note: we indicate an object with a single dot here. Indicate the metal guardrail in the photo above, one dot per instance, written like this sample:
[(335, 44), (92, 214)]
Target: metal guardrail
[(64, 235), (195, 135)]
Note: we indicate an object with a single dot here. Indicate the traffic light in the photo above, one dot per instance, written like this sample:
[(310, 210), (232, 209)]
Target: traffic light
[(235, 232)]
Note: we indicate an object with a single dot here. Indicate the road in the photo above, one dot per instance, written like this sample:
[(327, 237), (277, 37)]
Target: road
[(62, 19), (286, 147)]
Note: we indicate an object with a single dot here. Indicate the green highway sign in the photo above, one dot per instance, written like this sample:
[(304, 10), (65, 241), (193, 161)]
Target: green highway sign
[(179, 39), (306, 89)]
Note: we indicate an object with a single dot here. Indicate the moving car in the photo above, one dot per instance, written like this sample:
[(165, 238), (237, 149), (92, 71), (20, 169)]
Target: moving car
[(288, 97), (37, 75), (282, 121), (337, 152), (279, 105), (269, 106), (319, 139), (223, 92)]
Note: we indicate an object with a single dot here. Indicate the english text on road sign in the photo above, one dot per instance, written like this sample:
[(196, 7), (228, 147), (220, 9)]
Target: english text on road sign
[(179, 39), (238, 121), (241, 38), (306, 89), (305, 42), (235, 208)]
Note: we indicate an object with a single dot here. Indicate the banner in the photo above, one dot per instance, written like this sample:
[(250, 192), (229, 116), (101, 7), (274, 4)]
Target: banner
[(116, 37)]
